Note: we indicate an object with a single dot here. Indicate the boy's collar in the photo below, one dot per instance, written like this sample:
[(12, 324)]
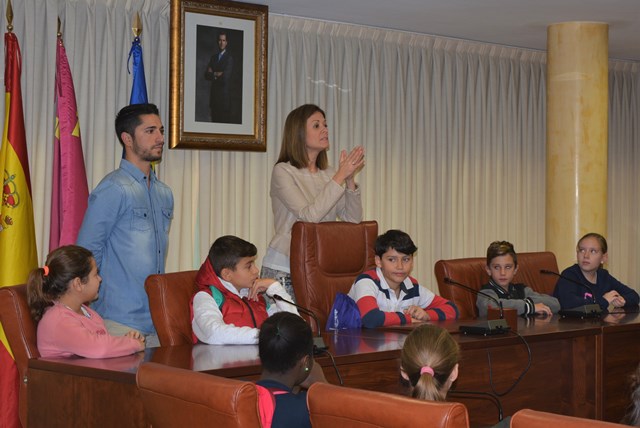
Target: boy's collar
[(229, 286)]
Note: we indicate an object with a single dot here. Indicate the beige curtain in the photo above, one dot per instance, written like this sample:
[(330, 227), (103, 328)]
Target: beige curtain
[(454, 130)]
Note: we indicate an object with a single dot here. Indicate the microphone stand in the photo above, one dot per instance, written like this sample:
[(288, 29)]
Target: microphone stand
[(485, 328), (318, 341), (591, 310)]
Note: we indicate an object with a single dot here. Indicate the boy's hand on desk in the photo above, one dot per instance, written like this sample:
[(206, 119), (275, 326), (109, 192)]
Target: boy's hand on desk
[(417, 313), (542, 309)]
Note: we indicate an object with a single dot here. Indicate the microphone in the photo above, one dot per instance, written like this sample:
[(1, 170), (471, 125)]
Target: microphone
[(490, 327), (318, 341), (592, 310)]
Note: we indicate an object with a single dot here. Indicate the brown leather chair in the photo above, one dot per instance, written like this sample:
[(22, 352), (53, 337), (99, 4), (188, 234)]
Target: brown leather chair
[(527, 418), (174, 397), (326, 258), (332, 406), (20, 330), (471, 272), (169, 296)]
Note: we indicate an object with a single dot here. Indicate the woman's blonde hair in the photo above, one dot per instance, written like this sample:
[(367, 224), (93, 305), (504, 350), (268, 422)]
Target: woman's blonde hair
[(432, 347), (294, 139)]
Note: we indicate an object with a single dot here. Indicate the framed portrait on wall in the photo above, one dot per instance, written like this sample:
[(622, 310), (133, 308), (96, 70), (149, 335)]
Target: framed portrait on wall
[(218, 75)]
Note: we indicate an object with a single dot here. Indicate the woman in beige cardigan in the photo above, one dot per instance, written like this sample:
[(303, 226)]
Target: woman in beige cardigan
[(305, 188)]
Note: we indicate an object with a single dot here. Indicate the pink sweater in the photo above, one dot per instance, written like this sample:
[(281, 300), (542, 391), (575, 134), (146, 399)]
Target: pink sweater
[(63, 333)]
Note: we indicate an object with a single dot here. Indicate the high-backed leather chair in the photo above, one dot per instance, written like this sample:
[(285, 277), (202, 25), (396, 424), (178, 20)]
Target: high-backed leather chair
[(472, 272), (20, 330), (169, 296), (326, 258), (332, 406), (174, 397), (527, 418)]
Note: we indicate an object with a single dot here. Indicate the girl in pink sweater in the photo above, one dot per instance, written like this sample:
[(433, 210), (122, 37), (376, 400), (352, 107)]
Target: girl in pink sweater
[(57, 293)]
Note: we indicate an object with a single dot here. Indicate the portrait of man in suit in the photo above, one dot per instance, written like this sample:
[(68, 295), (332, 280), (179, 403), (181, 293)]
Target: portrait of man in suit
[(219, 72)]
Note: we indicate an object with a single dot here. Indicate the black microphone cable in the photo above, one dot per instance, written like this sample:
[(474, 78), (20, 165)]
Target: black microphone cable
[(517, 381), (333, 362)]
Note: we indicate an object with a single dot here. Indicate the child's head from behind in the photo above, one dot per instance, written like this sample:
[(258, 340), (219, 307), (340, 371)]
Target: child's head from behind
[(48, 283), (285, 343), (234, 260), (502, 262), (394, 256), (429, 362), (591, 252)]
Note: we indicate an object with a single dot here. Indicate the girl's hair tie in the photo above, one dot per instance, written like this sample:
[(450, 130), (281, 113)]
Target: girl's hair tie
[(426, 369)]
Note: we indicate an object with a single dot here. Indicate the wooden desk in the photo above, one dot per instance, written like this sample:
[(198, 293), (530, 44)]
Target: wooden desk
[(578, 368)]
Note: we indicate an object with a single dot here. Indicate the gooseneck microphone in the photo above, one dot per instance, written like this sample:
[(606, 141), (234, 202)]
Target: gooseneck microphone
[(592, 310), (490, 327), (318, 340)]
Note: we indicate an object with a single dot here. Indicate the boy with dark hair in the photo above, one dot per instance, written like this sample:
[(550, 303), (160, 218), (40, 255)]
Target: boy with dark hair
[(502, 265), (387, 295), (230, 306)]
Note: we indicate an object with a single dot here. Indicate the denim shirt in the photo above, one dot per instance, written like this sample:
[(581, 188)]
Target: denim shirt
[(126, 227)]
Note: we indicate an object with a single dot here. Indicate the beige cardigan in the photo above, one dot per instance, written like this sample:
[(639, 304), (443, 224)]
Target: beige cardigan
[(300, 195)]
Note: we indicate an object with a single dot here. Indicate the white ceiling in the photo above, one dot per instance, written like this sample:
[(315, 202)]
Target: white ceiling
[(521, 23)]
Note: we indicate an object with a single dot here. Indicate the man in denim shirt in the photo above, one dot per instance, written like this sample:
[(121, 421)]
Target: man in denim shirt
[(126, 225)]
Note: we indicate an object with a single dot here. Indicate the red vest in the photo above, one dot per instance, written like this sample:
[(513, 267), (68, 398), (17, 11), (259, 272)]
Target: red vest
[(236, 310)]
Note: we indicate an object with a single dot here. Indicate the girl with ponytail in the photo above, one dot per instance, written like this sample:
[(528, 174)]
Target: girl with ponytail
[(57, 293), (429, 362)]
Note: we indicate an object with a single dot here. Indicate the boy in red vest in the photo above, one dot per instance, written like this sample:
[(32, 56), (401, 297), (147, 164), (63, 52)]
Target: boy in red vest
[(387, 295), (231, 306)]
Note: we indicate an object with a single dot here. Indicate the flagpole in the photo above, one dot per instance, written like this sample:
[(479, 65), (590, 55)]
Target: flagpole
[(9, 17)]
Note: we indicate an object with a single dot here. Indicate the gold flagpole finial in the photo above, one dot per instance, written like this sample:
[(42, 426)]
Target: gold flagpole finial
[(9, 16), (59, 26), (137, 25)]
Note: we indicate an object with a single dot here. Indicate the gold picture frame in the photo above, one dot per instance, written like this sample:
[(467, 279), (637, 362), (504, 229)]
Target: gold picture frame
[(218, 75)]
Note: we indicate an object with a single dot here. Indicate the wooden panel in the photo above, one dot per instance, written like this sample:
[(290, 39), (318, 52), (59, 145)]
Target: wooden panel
[(64, 400), (620, 356), (579, 368)]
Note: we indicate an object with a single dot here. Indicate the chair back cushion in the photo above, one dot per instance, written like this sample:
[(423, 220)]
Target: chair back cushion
[(527, 418), (472, 272), (174, 397), (326, 258), (20, 330), (332, 406), (169, 298)]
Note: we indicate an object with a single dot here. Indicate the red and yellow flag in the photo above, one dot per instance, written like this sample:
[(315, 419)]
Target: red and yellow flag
[(18, 255)]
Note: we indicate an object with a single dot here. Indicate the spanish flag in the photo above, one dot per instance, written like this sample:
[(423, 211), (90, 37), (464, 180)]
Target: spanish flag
[(18, 255)]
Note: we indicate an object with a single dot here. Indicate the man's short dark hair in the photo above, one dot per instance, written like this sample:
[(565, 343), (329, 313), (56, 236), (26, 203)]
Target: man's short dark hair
[(283, 340), (395, 240), (227, 251), (128, 118)]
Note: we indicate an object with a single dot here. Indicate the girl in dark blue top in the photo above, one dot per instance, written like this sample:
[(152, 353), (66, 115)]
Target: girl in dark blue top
[(599, 286)]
